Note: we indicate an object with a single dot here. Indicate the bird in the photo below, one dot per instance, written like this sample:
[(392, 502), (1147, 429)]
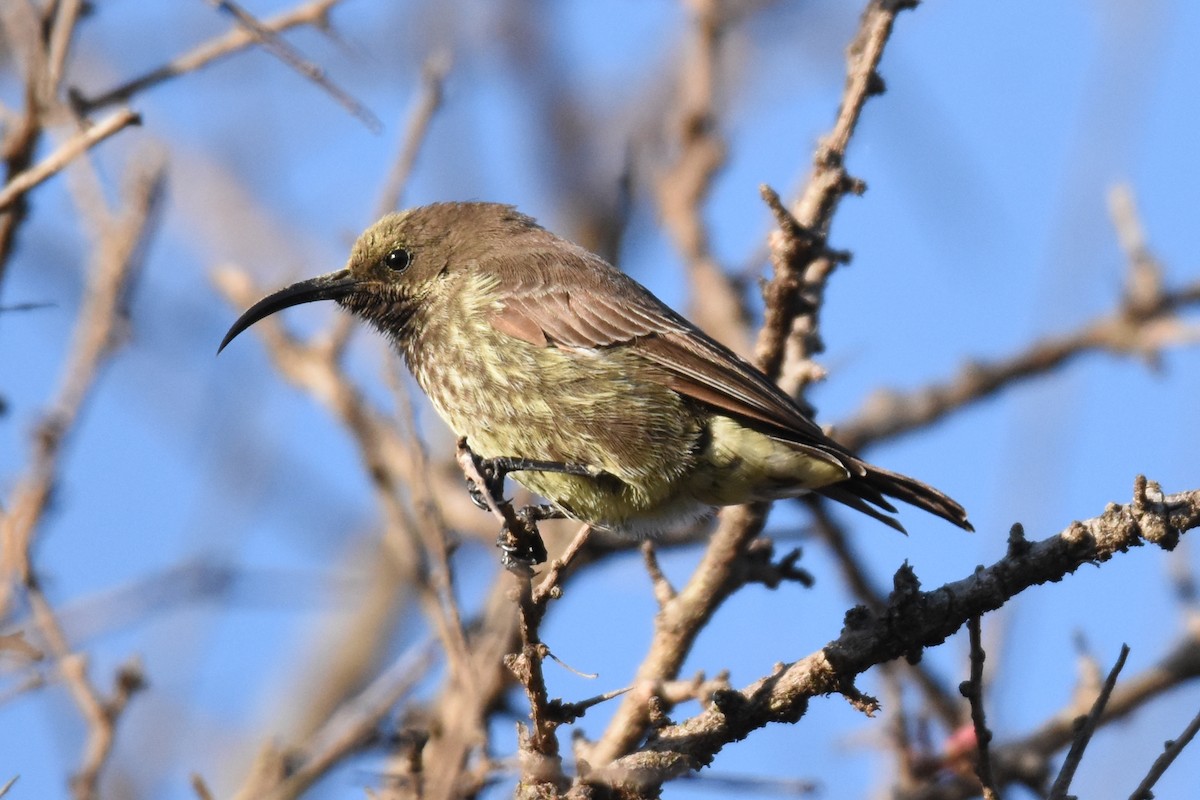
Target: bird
[(541, 353)]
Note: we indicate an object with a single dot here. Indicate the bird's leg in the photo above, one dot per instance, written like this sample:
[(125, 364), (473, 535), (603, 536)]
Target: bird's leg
[(519, 541), (521, 544), (495, 470)]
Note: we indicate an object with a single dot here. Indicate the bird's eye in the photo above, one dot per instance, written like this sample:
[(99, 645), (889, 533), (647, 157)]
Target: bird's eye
[(398, 259)]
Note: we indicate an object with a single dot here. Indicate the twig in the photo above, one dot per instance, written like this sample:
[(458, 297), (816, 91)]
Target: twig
[(67, 152), (1145, 321), (679, 622), (664, 592), (117, 261), (1144, 281), (201, 788), (1163, 762), (101, 715), (355, 723), (1027, 760), (890, 414), (24, 32), (65, 18), (426, 105), (550, 587), (684, 185), (315, 13), (799, 254), (937, 696), (972, 689), (1086, 727), (276, 46), (416, 130), (541, 763)]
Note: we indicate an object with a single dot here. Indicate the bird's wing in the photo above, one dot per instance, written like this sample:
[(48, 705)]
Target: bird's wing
[(577, 301)]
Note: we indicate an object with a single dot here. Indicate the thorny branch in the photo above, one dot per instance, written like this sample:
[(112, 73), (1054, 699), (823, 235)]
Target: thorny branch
[(912, 621)]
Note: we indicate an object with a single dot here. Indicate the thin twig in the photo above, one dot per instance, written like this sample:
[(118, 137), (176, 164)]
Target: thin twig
[(1163, 762), (802, 261), (1086, 727), (65, 18), (315, 13), (67, 152), (117, 260), (276, 46), (100, 714), (426, 105), (685, 184), (355, 723), (973, 691)]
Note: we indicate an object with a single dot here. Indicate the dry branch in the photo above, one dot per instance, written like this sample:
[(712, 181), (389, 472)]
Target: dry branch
[(912, 621)]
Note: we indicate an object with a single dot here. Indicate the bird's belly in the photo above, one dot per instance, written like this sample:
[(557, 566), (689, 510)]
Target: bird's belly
[(640, 437)]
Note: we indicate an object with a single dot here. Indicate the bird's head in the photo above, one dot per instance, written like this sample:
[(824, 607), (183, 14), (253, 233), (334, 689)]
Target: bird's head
[(397, 263)]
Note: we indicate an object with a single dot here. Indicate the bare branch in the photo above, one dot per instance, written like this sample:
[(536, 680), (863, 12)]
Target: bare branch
[(1085, 727), (315, 13), (97, 334), (67, 152), (1163, 762), (428, 101), (926, 619), (276, 46), (972, 689), (799, 253)]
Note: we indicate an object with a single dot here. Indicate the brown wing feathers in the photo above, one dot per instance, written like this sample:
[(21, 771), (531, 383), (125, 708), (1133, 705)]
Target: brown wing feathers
[(616, 310)]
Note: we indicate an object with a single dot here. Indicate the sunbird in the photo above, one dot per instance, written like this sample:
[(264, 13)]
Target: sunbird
[(535, 349)]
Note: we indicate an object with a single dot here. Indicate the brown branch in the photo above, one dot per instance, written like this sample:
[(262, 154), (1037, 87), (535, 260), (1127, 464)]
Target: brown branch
[(937, 696), (416, 130), (1027, 760), (100, 714), (889, 414), (914, 620), (68, 151), (271, 41), (972, 689), (315, 13), (353, 726), (117, 259), (62, 30), (23, 34), (800, 255), (1161, 764), (684, 186)]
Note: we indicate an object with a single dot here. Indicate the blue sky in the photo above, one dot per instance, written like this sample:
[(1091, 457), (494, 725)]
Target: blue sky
[(984, 226)]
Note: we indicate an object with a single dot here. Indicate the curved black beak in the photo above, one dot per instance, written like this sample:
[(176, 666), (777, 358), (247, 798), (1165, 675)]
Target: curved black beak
[(333, 286)]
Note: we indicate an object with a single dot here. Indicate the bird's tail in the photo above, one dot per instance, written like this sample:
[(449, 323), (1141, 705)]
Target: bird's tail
[(866, 492)]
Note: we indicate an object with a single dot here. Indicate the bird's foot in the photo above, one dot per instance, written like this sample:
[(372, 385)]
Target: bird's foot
[(521, 546)]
